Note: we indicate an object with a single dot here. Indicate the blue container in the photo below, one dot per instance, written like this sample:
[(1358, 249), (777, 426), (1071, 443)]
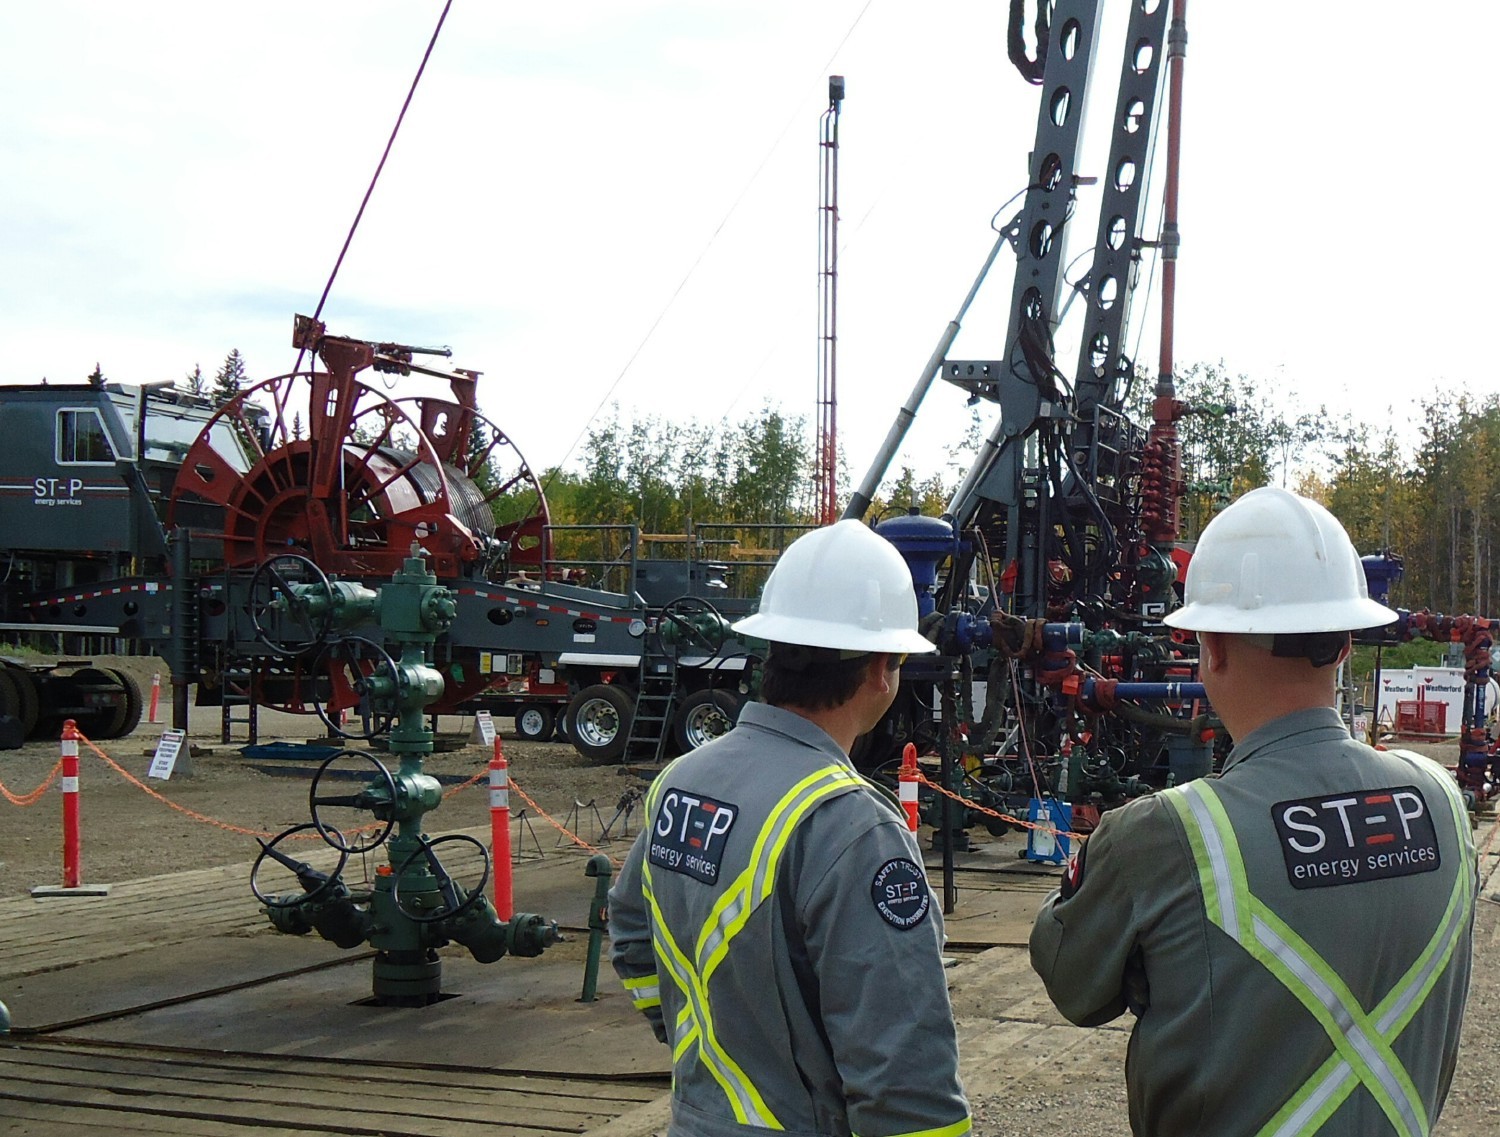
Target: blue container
[(1043, 846)]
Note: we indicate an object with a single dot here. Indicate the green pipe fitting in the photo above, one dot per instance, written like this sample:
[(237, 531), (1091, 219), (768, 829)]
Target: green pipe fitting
[(599, 868)]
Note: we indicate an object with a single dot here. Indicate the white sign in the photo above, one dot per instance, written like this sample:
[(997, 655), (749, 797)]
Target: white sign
[(484, 723), (1437, 685), (166, 754)]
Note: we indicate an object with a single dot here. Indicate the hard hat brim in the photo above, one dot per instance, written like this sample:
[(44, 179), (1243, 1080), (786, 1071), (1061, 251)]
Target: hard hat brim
[(819, 633), (1351, 615)]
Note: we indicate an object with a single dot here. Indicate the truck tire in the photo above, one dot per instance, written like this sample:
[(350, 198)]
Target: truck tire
[(127, 717), (599, 721), (534, 724), (29, 705), (704, 716), (84, 688)]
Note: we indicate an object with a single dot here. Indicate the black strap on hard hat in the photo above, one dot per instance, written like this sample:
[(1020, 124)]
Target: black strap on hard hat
[(799, 657), (1319, 648)]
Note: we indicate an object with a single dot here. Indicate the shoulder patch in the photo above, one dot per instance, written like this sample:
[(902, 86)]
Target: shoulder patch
[(1073, 872), (689, 834), (900, 893), (1350, 838)]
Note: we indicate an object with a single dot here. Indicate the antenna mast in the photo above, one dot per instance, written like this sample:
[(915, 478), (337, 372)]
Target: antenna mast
[(828, 290)]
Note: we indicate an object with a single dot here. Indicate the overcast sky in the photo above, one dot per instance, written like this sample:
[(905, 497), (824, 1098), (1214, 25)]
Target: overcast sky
[(575, 180)]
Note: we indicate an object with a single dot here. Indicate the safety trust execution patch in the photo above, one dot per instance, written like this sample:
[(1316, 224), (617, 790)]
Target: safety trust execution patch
[(1350, 838), (689, 833), (900, 893)]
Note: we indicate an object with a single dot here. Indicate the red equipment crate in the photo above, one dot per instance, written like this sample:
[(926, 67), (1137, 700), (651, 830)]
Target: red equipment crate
[(1417, 716)]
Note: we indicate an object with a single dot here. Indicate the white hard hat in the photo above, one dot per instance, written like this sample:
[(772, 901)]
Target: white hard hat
[(843, 587), (1276, 563)]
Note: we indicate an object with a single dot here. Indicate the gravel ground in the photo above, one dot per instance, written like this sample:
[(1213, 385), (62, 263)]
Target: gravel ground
[(128, 833)]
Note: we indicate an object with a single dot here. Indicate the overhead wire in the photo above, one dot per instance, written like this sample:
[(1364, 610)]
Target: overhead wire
[(693, 268), (379, 166)]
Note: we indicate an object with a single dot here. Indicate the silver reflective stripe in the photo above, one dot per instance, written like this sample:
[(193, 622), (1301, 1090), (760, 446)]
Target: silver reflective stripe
[(1304, 1114), (1218, 859), (751, 887), (708, 1049), (1301, 965), (645, 991), (1293, 961), (1435, 963)]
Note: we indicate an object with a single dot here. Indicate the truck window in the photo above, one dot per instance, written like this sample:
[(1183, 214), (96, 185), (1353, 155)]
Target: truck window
[(81, 437)]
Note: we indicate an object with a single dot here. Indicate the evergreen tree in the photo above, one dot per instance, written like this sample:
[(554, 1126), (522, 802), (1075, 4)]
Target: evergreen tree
[(230, 379), (194, 383)]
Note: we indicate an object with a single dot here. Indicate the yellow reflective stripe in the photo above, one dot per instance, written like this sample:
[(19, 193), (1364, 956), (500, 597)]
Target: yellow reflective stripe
[(1332, 1083), (645, 992), (694, 1026), (684, 1044), (1307, 976), (750, 889), (744, 1099), (957, 1129), (1326, 996), (1295, 965)]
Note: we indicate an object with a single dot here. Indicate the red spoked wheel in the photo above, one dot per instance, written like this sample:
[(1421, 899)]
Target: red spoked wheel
[(337, 471), (489, 462)]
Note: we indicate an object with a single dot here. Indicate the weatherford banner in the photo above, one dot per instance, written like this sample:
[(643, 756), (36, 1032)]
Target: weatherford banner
[(1436, 685)]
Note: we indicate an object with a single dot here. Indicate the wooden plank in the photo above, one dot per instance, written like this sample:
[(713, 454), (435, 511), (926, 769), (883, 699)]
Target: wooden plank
[(50, 1117), (323, 1104), (324, 1111), (325, 1068), (451, 1092), (55, 997)]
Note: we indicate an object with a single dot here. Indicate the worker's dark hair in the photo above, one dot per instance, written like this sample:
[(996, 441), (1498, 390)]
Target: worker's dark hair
[(812, 678), (1321, 649)]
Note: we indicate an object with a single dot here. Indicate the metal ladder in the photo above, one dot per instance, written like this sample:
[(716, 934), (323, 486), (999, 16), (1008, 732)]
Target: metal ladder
[(230, 700), (655, 700)]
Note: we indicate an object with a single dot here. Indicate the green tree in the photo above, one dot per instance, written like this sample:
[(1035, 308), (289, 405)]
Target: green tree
[(194, 383), (230, 379)]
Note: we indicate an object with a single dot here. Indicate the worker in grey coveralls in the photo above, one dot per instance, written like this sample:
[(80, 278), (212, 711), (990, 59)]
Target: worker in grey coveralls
[(1293, 936), (773, 919)]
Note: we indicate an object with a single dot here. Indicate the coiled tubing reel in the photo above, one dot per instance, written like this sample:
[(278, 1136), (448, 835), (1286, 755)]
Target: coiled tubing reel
[(325, 464)]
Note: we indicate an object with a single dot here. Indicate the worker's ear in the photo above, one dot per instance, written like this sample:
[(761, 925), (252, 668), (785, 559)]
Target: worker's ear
[(879, 671), (1211, 656)]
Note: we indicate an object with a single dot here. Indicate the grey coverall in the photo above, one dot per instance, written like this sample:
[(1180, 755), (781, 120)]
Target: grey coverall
[(774, 923), (1293, 937)]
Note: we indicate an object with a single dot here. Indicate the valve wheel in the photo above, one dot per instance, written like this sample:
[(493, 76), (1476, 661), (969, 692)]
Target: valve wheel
[(270, 586), (679, 614), (453, 905), (349, 685), (302, 869), (359, 800)]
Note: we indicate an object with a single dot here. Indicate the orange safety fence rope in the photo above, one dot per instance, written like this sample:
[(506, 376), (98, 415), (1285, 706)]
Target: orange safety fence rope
[(140, 785), (1024, 824), (35, 795), (564, 830), (1017, 821)]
